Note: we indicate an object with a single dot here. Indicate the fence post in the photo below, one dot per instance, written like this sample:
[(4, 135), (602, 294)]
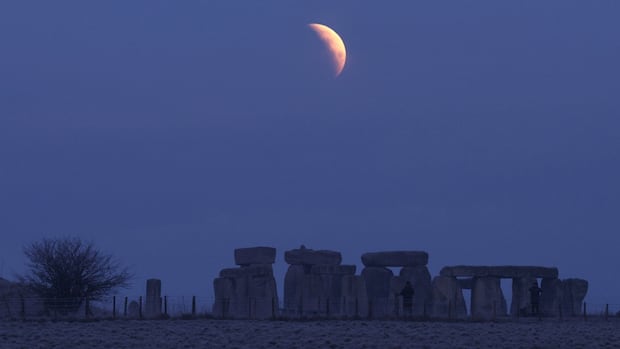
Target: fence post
[(193, 305), (606, 312), (23, 306), (166, 305), (140, 308), (249, 308), (113, 307), (585, 313), (125, 308)]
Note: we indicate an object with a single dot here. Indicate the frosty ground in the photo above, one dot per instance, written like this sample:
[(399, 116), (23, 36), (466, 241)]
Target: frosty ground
[(204, 333)]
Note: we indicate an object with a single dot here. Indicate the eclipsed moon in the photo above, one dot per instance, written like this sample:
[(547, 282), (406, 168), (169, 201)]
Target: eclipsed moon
[(334, 44)]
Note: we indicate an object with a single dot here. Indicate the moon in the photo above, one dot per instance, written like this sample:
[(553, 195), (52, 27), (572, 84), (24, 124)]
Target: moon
[(334, 44)]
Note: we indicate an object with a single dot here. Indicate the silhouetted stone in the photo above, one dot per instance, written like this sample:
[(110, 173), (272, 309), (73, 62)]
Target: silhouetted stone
[(293, 286), (521, 300), (152, 306), (395, 259), (420, 279), (252, 270), (255, 255), (573, 293), (354, 296), (378, 281), (304, 256), (133, 310), (447, 298), (506, 271), (249, 291), (333, 269), (487, 299), (551, 297)]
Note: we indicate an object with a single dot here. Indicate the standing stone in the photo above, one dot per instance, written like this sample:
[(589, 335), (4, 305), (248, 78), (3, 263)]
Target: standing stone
[(255, 255), (378, 281), (330, 278), (293, 287), (133, 310), (487, 299), (249, 291), (447, 298), (354, 296), (420, 279), (551, 297), (573, 293), (224, 292), (521, 301), (152, 306)]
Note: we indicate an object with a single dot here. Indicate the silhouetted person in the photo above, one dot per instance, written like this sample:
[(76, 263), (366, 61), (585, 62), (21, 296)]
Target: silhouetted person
[(407, 294), (535, 292)]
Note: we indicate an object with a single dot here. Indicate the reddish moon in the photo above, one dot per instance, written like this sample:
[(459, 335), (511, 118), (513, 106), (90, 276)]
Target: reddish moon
[(334, 44)]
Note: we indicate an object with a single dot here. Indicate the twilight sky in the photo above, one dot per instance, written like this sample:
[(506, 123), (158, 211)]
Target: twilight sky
[(171, 132)]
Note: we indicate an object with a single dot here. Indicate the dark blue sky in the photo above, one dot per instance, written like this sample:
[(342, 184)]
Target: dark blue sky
[(171, 132)]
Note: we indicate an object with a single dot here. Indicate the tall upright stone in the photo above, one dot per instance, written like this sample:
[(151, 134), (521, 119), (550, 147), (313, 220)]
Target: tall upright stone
[(313, 282), (152, 307), (573, 294), (447, 298), (354, 296), (551, 297), (521, 301), (378, 289), (420, 279), (248, 291), (487, 299)]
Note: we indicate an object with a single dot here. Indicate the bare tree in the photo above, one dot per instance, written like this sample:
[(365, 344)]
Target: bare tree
[(67, 271)]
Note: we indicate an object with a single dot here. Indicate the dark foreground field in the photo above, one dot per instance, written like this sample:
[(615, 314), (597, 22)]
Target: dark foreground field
[(202, 333)]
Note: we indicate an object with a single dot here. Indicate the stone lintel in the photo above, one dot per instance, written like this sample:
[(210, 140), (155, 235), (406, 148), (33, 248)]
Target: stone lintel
[(504, 271)]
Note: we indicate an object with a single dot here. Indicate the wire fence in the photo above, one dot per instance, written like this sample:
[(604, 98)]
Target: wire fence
[(137, 307)]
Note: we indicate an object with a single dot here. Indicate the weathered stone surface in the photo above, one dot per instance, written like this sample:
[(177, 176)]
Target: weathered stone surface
[(573, 293), (152, 306), (249, 291), (378, 286), (354, 297), (563, 297), (521, 304), (395, 259), (506, 271), (255, 255), (316, 290), (133, 310), (447, 298), (252, 270), (487, 299), (551, 296), (293, 286), (333, 269), (377, 282), (304, 256), (420, 279)]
